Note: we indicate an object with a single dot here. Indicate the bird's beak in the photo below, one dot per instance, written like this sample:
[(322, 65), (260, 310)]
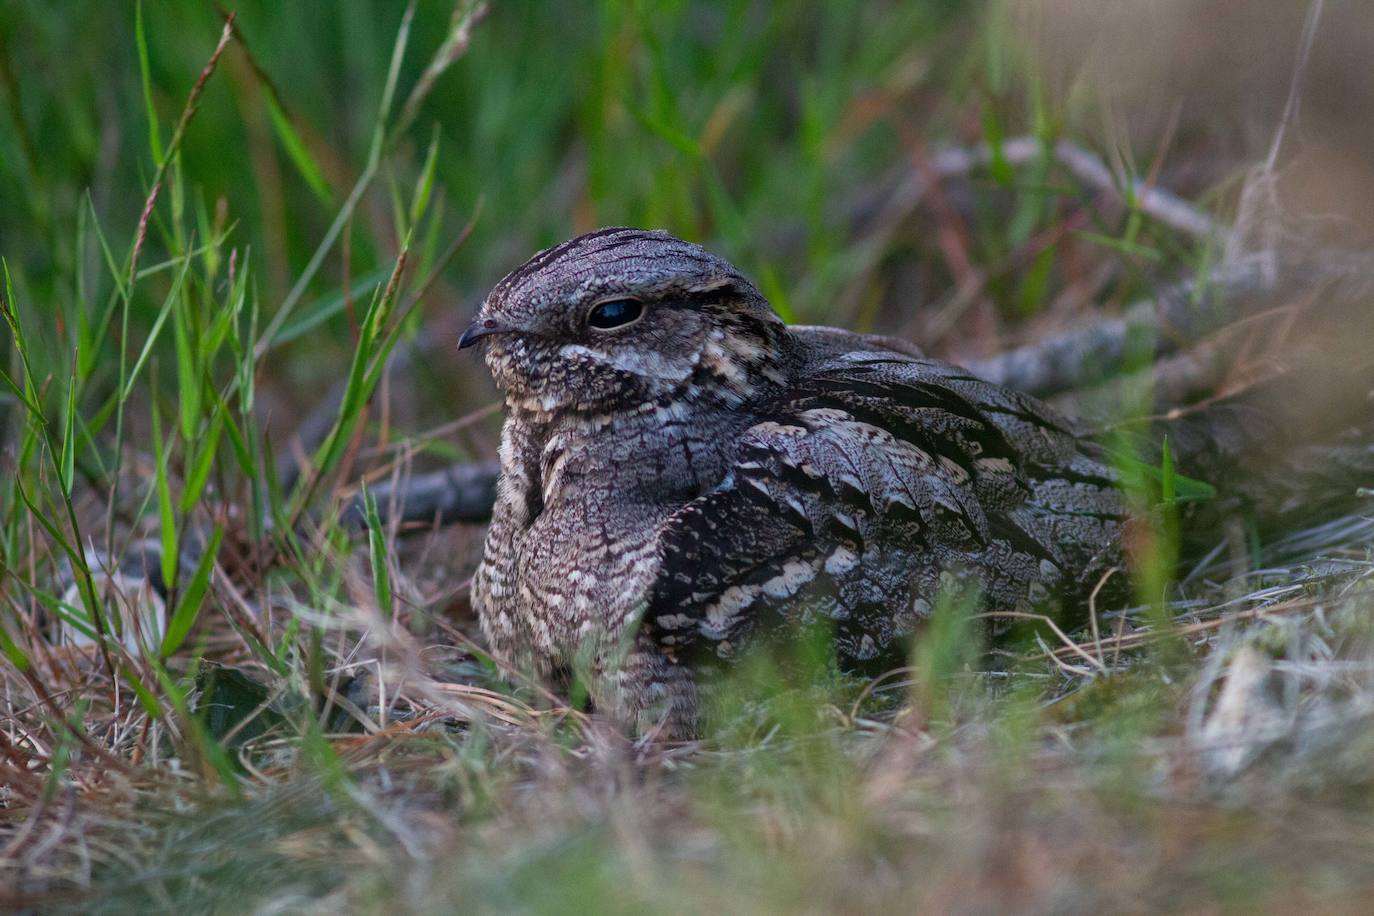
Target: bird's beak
[(480, 329)]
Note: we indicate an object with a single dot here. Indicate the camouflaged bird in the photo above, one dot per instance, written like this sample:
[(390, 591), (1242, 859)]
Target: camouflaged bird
[(682, 476)]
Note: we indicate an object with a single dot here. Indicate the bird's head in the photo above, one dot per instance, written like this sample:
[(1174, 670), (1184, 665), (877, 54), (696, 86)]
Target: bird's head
[(621, 319)]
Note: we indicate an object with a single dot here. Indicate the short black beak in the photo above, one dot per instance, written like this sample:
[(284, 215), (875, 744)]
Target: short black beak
[(480, 329)]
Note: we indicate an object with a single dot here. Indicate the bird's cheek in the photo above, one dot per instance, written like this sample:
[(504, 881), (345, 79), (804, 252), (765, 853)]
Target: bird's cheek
[(651, 365)]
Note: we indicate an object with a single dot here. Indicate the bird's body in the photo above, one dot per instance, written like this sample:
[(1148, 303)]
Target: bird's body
[(682, 476)]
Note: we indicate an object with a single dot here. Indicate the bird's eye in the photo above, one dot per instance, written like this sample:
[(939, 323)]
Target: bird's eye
[(614, 313)]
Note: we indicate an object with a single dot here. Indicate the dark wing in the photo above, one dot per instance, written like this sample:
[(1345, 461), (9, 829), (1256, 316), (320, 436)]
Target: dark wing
[(883, 480)]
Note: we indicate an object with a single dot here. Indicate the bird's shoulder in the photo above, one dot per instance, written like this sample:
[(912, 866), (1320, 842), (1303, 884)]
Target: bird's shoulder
[(875, 399)]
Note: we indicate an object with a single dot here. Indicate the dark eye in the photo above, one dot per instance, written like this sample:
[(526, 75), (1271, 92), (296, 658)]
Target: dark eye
[(614, 313)]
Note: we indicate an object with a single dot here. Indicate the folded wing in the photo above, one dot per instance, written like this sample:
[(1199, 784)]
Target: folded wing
[(884, 481)]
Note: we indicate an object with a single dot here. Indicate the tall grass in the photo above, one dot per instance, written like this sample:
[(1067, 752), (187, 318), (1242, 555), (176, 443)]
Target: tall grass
[(85, 399)]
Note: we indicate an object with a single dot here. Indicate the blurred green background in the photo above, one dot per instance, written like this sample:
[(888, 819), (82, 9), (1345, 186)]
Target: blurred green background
[(775, 133), (708, 117)]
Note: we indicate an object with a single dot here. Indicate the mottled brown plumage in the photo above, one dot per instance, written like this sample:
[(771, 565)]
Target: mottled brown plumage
[(683, 476)]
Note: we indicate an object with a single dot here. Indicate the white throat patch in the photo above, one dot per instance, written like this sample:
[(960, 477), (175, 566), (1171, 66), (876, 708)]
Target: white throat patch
[(644, 363)]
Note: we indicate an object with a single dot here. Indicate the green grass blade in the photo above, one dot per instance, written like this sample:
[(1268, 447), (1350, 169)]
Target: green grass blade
[(1123, 246), (424, 185), (1168, 475), (167, 520), (199, 473), (393, 73), (42, 515), (268, 338), (376, 543), (168, 303), (188, 370), (243, 452), (116, 272), (189, 604), (146, 698), (145, 76), (12, 651), (69, 440), (326, 308), (296, 151), (369, 359)]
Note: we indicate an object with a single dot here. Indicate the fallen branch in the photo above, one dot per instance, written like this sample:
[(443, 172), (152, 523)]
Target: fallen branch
[(1086, 166), (1179, 315), (458, 493)]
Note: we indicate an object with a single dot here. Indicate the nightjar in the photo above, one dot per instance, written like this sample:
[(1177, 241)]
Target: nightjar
[(684, 476)]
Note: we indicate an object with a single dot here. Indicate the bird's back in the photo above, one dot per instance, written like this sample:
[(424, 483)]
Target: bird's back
[(880, 482)]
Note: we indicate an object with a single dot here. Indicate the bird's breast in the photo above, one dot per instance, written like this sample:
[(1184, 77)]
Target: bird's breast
[(585, 561), (583, 571), (661, 455)]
